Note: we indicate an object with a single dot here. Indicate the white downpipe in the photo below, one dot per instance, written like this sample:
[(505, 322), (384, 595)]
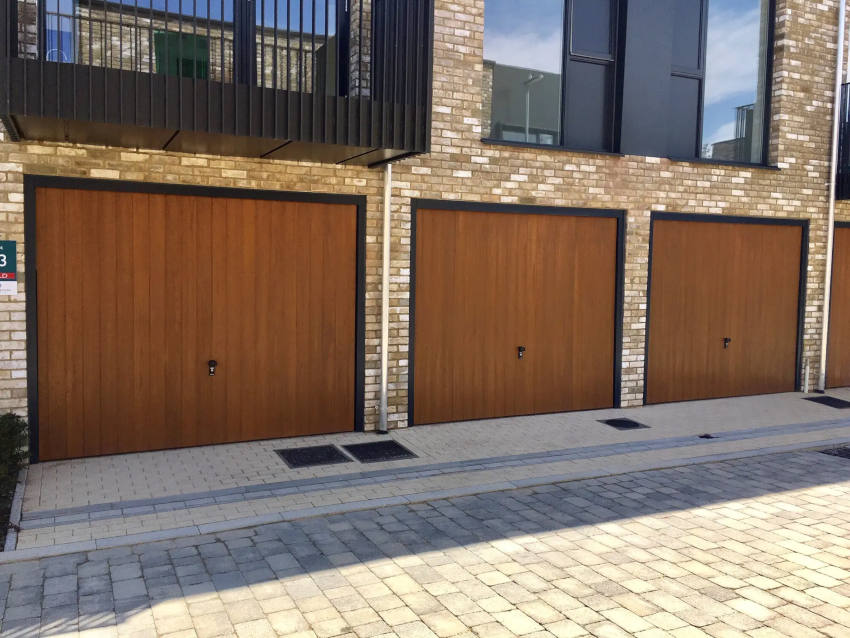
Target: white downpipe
[(385, 300), (830, 232)]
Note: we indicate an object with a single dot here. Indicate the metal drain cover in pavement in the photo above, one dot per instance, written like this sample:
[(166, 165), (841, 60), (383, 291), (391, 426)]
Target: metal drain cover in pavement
[(843, 452), (379, 451), (312, 456), (624, 424), (832, 402)]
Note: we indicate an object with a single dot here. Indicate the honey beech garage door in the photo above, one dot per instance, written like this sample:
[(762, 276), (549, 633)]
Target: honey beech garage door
[(515, 313), (137, 292), (838, 354), (724, 308)]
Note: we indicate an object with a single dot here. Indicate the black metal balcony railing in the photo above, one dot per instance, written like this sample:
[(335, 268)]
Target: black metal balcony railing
[(333, 80), (842, 190)]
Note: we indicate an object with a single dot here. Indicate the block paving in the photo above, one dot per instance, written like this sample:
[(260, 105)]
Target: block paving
[(755, 547), (97, 503)]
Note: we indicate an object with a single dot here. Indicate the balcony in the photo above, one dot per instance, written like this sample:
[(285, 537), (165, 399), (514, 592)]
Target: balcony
[(335, 81)]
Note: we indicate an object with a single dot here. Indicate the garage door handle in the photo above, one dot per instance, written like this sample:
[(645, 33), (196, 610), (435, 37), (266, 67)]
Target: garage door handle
[(520, 352), (212, 364), (726, 342)]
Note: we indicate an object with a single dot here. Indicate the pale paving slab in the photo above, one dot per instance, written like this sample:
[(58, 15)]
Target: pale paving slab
[(176, 519), (83, 482), (300, 504), (753, 547)]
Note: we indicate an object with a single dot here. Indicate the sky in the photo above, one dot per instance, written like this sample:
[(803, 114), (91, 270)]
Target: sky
[(532, 38), (217, 7), (732, 70)]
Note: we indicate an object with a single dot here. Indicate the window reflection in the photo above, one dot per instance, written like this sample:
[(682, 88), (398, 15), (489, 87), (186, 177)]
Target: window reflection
[(735, 79), (523, 53)]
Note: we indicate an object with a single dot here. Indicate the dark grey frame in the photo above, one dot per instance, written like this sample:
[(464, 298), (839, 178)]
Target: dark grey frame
[(831, 286), (33, 182), (733, 219), (616, 115), (482, 207)]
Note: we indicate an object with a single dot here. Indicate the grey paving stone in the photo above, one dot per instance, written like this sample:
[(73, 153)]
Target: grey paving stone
[(125, 571), (129, 588)]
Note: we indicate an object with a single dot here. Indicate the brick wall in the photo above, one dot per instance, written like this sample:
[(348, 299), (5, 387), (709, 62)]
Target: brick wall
[(460, 167)]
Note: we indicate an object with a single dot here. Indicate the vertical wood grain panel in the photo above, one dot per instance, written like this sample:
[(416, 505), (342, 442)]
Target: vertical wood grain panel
[(716, 280), (139, 290), (838, 355), (487, 283), (112, 370)]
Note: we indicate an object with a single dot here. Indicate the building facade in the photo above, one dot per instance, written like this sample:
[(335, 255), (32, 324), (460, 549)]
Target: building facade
[(663, 262)]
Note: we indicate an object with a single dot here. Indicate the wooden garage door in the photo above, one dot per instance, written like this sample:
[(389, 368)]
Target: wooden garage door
[(137, 292), (838, 355), (488, 283), (713, 281)]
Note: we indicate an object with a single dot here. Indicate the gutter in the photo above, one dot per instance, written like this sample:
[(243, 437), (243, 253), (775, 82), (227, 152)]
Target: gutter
[(830, 232)]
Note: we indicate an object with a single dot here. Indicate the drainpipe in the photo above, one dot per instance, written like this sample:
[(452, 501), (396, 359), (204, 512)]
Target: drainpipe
[(385, 300), (830, 232)]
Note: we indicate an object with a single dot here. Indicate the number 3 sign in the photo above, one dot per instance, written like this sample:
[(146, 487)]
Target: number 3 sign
[(8, 268)]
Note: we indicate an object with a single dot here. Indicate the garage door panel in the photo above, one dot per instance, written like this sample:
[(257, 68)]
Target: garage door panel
[(267, 288), (838, 359), (689, 310), (487, 283), (766, 313), (574, 275), (713, 280)]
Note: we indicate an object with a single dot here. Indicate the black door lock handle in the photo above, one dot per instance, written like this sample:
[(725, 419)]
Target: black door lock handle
[(726, 342), (212, 364), (520, 351)]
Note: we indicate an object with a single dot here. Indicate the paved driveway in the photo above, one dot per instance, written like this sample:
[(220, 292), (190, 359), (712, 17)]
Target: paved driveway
[(97, 503), (757, 547)]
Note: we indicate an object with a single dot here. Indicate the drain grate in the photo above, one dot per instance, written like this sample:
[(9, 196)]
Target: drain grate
[(832, 402), (707, 436), (312, 456), (625, 424), (379, 451), (843, 452)]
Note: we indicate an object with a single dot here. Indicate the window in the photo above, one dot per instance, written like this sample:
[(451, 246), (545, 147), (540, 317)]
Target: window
[(590, 74), (523, 56), (733, 116), (60, 37), (684, 79), (537, 90)]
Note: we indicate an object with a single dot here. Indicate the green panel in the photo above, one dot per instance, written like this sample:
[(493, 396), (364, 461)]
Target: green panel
[(181, 54)]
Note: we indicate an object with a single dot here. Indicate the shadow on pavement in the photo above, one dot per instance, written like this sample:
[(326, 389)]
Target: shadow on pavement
[(146, 586)]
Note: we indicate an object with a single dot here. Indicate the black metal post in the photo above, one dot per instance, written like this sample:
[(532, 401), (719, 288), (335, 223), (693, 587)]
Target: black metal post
[(244, 42)]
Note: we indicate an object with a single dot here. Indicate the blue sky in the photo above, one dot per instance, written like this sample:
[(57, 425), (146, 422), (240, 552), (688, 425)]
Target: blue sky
[(732, 70), (217, 7)]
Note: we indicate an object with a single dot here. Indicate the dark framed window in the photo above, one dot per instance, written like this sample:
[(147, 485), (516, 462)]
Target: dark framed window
[(549, 72), (589, 87), (523, 66), (736, 96), (685, 79), (59, 38)]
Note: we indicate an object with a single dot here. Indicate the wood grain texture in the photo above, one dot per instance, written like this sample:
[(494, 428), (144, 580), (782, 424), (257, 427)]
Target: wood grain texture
[(137, 291), (838, 355), (487, 283), (716, 280)]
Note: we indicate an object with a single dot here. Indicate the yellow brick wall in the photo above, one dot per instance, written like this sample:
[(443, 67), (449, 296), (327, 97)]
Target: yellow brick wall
[(460, 167)]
